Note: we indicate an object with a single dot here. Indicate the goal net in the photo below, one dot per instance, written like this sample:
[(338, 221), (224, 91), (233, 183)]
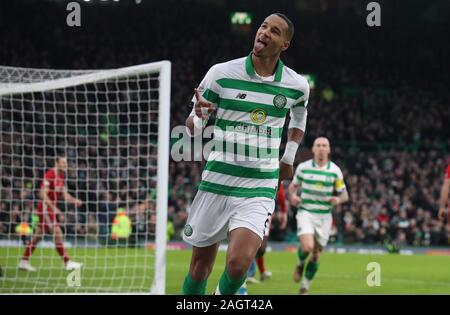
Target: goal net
[(112, 126)]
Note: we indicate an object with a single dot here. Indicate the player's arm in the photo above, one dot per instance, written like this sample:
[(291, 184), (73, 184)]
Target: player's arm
[(445, 190), (295, 136), (297, 127), (43, 194), (342, 194), (342, 197), (71, 199), (294, 187), (205, 96), (293, 196), (201, 111)]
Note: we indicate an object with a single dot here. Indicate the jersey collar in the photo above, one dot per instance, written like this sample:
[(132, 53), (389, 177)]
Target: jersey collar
[(314, 164), (251, 70)]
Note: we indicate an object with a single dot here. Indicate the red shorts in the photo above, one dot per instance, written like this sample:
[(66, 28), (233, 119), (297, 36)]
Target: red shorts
[(47, 218)]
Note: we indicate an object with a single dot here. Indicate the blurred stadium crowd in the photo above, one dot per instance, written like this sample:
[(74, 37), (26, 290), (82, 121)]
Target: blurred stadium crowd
[(381, 98)]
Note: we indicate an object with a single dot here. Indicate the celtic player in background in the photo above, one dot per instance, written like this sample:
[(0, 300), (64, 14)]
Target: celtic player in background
[(322, 188), (252, 96)]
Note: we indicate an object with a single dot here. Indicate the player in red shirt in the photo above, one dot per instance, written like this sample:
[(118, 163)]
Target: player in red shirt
[(281, 214), (53, 188), (282, 217), (445, 190)]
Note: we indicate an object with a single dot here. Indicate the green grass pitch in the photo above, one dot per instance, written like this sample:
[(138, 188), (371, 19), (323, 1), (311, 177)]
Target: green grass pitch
[(122, 269)]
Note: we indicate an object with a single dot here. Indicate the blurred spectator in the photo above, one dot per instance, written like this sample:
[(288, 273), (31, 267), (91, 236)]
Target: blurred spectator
[(387, 112)]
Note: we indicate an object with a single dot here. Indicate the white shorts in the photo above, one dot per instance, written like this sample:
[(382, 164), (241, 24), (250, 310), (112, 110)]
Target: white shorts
[(267, 229), (212, 216), (317, 224)]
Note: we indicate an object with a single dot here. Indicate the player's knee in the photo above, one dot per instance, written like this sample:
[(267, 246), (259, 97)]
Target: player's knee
[(200, 274), (58, 238), (307, 247), (200, 270), (237, 266)]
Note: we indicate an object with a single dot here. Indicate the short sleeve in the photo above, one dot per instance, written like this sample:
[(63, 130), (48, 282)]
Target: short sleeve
[(298, 176), (209, 88), (339, 184), (298, 112), (302, 101)]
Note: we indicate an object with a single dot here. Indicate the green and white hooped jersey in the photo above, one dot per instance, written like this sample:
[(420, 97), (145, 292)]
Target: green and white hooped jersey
[(250, 116), (317, 185)]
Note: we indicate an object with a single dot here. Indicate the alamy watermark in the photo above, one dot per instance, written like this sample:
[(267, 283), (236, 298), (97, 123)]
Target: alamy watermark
[(73, 279), (374, 277), (242, 142), (74, 16), (374, 17), (74, 8)]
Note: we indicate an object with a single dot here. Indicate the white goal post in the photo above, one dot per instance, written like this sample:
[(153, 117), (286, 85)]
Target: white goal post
[(113, 126)]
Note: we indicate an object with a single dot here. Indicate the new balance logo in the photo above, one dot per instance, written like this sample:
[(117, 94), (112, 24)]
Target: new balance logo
[(241, 96)]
